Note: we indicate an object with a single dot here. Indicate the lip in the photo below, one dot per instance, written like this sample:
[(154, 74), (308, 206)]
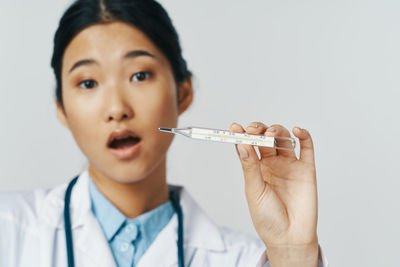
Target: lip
[(125, 153)]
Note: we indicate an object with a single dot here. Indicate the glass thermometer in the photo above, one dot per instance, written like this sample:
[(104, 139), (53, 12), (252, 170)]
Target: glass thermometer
[(225, 136)]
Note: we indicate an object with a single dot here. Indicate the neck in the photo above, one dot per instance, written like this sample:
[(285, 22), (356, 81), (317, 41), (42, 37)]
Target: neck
[(136, 198)]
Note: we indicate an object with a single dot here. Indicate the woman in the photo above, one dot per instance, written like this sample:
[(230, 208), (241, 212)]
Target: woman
[(120, 75)]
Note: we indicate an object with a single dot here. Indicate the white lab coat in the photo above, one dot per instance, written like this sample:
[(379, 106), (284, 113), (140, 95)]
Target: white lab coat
[(32, 234)]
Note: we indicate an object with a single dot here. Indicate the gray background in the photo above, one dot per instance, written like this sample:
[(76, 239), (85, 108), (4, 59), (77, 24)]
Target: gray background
[(329, 66)]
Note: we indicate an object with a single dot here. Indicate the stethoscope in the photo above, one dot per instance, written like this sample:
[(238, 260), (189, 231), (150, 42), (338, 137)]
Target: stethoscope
[(173, 196)]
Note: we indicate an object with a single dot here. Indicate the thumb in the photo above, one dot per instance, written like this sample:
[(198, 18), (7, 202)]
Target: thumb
[(254, 181), (306, 144)]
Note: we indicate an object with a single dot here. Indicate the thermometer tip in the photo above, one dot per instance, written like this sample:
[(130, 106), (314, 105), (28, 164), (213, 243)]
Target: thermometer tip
[(167, 130)]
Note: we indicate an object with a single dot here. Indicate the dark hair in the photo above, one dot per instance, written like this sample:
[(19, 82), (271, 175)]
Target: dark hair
[(146, 15)]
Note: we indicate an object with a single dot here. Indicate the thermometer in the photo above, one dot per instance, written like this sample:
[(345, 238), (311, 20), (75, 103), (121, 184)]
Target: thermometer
[(225, 136)]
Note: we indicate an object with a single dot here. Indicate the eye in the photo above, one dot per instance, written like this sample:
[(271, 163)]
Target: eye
[(88, 84), (141, 76)]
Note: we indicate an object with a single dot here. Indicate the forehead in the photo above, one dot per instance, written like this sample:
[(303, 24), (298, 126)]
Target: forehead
[(109, 41)]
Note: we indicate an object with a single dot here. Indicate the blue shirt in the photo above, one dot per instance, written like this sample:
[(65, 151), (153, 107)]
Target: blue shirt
[(128, 238)]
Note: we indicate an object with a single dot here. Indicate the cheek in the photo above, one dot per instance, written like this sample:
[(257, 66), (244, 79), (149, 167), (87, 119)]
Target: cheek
[(82, 120), (161, 107), (160, 111)]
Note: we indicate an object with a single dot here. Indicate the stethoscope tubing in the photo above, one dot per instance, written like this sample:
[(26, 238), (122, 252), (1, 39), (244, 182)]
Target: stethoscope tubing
[(67, 224)]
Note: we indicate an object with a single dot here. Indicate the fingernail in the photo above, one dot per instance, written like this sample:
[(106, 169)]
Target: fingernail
[(272, 129), (242, 152), (254, 124)]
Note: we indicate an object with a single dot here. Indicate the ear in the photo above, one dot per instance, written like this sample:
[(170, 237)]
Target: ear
[(185, 95), (61, 116)]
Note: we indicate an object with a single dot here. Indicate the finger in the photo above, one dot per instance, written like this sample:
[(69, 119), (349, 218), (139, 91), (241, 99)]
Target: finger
[(258, 128), (281, 132), (276, 131), (250, 164), (266, 152), (306, 144), (236, 128)]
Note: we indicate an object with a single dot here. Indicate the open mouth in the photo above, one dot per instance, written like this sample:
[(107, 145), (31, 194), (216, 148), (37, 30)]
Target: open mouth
[(123, 142)]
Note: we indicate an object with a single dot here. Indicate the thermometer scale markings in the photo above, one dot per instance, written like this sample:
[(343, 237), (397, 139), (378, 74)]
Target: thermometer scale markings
[(224, 136)]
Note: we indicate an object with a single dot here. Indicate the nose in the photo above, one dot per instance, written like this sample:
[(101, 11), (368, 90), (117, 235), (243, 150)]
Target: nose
[(118, 107)]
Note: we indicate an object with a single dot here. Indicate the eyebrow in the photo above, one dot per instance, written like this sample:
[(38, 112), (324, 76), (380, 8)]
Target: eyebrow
[(138, 53), (131, 54), (82, 63)]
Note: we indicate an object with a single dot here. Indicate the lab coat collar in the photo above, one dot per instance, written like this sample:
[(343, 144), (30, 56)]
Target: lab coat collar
[(199, 230)]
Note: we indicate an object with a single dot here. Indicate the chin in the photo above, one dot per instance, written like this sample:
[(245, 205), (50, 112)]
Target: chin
[(126, 175), (130, 172)]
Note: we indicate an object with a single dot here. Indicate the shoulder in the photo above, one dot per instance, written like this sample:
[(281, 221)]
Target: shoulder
[(22, 221), (25, 204), (19, 223), (26, 208)]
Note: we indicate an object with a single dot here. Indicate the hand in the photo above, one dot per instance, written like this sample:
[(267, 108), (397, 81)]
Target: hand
[(281, 192)]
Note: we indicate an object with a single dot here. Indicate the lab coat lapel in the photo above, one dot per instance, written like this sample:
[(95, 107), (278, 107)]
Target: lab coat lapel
[(90, 245), (163, 251), (200, 230), (201, 235)]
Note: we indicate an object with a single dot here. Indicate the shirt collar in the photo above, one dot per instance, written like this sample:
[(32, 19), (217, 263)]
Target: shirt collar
[(111, 219), (152, 222)]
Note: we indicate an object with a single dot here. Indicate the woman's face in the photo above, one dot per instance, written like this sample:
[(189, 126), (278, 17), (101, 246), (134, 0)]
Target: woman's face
[(118, 88)]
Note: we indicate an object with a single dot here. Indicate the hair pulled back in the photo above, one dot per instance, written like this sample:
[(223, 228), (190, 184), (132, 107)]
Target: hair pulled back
[(146, 15)]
